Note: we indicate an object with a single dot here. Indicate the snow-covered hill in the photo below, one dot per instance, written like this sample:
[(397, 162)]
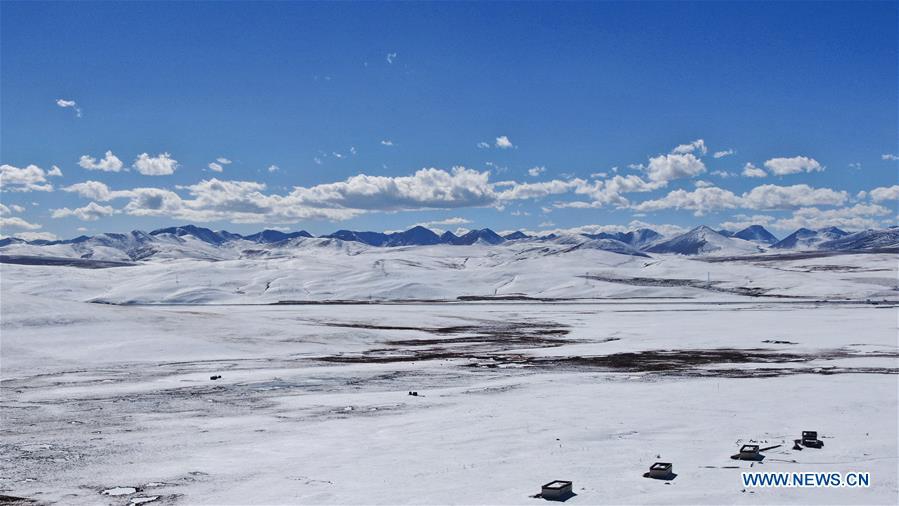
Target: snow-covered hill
[(805, 238), (192, 242), (756, 233), (866, 239), (702, 240)]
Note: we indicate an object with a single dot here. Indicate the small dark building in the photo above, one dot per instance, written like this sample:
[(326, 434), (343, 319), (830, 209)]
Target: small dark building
[(558, 490), (661, 471), (748, 452), (810, 439)]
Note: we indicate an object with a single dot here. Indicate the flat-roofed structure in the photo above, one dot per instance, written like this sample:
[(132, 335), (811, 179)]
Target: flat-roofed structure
[(557, 490)]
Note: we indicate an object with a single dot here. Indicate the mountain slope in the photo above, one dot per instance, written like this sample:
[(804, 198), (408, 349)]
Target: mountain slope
[(203, 234), (756, 233), (484, 235), (415, 236), (805, 238), (703, 240), (866, 239), (189, 241), (641, 238), (272, 236), (514, 236)]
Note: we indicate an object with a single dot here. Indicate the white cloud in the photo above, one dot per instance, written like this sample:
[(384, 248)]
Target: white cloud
[(519, 191), (771, 196), (536, 171), (855, 165), (664, 229), (889, 156), (215, 167), (387, 142), (750, 170), (222, 160), (885, 193), (247, 201), (701, 183), (35, 236), (427, 188), (794, 165), (445, 222), (664, 168), (109, 163), (503, 142), (740, 221), (160, 202), (273, 168), (391, 57), (722, 174), (484, 145), (69, 104), (765, 197), (90, 212), (700, 201), (722, 154), (16, 222), (610, 191), (857, 217), (9, 210), (161, 165), (697, 145), (95, 190), (30, 178), (54, 172)]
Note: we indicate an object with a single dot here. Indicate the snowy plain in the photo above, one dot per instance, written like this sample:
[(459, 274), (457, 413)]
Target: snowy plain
[(623, 361)]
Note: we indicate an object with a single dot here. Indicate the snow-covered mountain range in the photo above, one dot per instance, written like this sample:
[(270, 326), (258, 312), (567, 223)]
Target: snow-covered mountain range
[(190, 241)]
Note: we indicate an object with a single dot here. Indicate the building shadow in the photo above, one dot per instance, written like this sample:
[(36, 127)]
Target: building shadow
[(662, 477)]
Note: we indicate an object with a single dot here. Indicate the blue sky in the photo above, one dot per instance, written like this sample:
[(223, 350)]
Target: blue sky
[(535, 116)]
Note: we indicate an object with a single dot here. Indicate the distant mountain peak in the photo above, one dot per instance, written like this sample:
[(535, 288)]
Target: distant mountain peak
[(805, 238), (483, 235), (756, 233), (699, 241), (173, 242), (517, 235), (269, 236)]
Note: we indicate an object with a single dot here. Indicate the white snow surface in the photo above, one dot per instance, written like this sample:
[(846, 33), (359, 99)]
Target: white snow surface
[(644, 361), (330, 269)]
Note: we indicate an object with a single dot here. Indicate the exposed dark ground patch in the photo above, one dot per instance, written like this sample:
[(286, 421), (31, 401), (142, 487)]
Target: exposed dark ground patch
[(747, 291), (86, 263), (12, 500), (797, 255), (467, 341), (703, 362), (688, 362), (488, 345), (498, 329)]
